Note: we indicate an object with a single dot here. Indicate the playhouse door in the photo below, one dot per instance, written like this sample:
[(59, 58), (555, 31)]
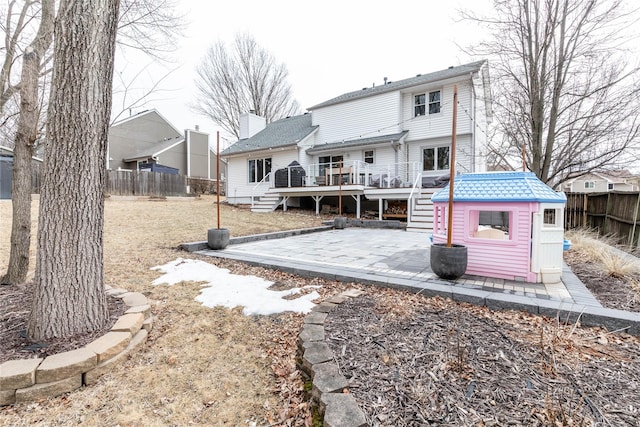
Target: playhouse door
[(547, 238)]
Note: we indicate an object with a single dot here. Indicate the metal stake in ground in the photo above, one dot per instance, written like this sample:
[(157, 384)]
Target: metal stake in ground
[(218, 238), (452, 166)]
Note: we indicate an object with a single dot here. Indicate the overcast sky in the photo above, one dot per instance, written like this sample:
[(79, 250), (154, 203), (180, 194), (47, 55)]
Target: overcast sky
[(329, 47)]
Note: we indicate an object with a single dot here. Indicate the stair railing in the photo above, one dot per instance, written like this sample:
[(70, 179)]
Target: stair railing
[(415, 192), (265, 179)]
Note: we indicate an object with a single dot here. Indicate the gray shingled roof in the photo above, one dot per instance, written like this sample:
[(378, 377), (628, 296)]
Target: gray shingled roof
[(280, 133), (149, 149), (420, 79), (357, 142)]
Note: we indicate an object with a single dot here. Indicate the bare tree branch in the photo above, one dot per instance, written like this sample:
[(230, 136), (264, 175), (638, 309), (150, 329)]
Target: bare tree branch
[(248, 77), (151, 26), (564, 86)]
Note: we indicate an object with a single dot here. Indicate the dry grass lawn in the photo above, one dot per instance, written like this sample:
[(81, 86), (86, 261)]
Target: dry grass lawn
[(200, 365)]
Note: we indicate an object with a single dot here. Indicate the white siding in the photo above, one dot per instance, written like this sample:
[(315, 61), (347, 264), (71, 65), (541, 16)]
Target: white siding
[(439, 124), (480, 123), (239, 189), (361, 118), (463, 152)]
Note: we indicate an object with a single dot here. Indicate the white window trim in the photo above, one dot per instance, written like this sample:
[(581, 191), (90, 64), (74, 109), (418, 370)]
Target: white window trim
[(435, 147), (373, 156), (257, 159), (428, 104), (424, 104)]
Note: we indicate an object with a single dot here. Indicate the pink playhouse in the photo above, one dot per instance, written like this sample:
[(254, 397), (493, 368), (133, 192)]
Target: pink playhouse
[(511, 222)]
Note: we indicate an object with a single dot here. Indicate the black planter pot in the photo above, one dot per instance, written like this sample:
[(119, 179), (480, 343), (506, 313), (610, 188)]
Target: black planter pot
[(448, 263), (217, 238), (339, 223)]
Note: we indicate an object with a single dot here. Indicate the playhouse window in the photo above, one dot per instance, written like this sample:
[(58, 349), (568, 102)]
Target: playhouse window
[(551, 217), (490, 225)]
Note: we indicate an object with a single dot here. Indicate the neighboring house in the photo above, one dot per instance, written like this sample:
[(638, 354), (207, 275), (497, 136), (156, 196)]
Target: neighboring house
[(374, 147), (6, 172), (602, 182), (147, 138)]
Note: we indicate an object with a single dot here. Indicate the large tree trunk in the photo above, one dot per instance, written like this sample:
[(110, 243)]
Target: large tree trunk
[(69, 293), (23, 151)]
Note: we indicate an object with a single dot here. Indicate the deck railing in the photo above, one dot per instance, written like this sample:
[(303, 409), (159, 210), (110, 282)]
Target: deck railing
[(415, 192), (353, 172)]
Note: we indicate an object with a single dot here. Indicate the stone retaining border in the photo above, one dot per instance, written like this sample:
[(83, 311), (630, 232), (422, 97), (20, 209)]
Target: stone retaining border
[(330, 390), (26, 380), (201, 246)]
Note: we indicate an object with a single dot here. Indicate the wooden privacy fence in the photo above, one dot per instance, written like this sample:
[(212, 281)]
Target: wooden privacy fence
[(611, 214), (138, 183)]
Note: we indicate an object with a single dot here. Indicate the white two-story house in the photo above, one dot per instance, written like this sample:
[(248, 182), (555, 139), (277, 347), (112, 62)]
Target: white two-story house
[(378, 151)]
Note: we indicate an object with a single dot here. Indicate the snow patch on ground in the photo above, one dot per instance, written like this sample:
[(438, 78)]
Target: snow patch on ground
[(231, 290)]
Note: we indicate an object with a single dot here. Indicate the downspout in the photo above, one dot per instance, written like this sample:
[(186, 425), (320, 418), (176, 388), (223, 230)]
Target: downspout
[(473, 125)]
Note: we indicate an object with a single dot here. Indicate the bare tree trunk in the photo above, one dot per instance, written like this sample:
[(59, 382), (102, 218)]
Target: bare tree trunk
[(69, 293), (23, 150)]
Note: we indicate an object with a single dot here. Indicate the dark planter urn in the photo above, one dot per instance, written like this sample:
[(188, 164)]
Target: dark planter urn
[(448, 263), (218, 238), (340, 222)]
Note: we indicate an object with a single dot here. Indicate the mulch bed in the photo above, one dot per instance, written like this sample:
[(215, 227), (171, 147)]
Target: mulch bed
[(436, 362), (15, 305), (413, 361)]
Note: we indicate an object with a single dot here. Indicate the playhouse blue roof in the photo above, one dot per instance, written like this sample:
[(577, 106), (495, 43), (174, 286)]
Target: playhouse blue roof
[(500, 187)]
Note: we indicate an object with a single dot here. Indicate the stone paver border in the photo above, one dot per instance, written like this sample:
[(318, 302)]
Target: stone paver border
[(315, 359), (26, 380)]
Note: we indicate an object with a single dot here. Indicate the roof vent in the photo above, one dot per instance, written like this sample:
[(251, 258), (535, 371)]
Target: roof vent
[(385, 80), (450, 66), (418, 75)]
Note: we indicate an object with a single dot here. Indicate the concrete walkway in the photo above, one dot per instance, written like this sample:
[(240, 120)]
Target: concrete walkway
[(400, 259)]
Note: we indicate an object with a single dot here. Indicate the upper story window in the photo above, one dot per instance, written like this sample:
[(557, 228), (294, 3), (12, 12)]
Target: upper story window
[(589, 184), (434, 102), (259, 169), (426, 102), (419, 105), (610, 186), (435, 159), (369, 156)]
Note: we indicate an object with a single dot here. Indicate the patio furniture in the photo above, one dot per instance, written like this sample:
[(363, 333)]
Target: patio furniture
[(335, 176)]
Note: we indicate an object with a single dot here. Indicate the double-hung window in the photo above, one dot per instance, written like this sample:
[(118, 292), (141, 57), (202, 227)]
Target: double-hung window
[(369, 156), (419, 105), (259, 169), (426, 102), (434, 102), (435, 158)]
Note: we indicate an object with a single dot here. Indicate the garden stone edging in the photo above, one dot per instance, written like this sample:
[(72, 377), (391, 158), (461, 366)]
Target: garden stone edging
[(25, 380), (315, 359)]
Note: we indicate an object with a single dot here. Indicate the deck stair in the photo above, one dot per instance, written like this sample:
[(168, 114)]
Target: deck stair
[(266, 203), (421, 219)]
